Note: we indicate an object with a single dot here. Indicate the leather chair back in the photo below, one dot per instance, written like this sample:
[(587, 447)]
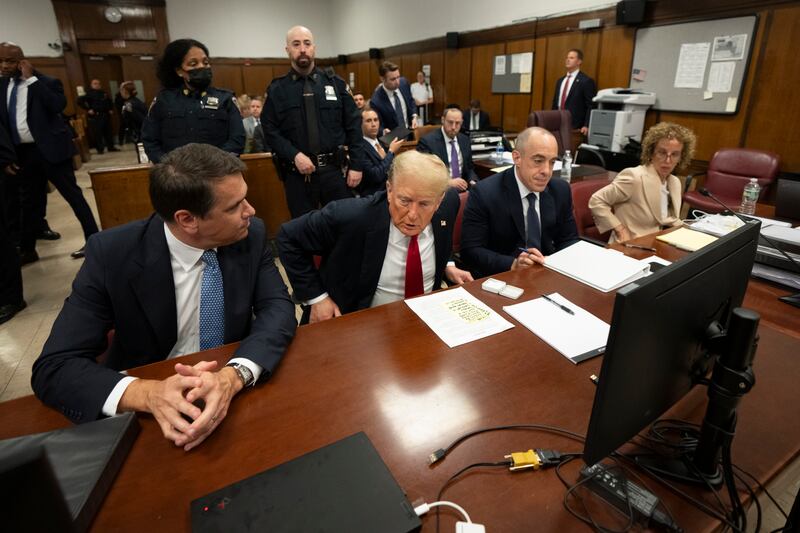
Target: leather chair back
[(422, 131), (559, 123), (581, 192)]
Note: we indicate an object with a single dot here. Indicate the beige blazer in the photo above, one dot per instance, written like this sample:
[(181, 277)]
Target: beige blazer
[(634, 199)]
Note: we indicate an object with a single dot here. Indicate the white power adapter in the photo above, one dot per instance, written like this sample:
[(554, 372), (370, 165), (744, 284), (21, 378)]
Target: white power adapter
[(465, 527)]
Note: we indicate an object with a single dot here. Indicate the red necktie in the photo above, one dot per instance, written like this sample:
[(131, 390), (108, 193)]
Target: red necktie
[(414, 285), (565, 90)]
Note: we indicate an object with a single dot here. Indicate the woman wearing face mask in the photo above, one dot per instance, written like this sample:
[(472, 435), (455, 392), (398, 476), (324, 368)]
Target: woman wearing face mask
[(188, 109)]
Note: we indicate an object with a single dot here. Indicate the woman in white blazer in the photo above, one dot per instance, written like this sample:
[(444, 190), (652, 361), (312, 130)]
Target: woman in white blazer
[(647, 198)]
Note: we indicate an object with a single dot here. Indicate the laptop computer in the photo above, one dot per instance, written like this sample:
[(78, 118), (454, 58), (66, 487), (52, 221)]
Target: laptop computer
[(344, 486)]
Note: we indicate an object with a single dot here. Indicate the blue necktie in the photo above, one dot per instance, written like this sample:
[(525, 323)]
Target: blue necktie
[(12, 112), (398, 110), (455, 169), (534, 239), (212, 303)]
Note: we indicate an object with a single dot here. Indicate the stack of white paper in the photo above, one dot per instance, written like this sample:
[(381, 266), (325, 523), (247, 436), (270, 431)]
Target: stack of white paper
[(577, 336), (601, 268)]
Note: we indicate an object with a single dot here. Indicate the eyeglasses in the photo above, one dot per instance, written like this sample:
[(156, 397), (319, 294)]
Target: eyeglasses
[(663, 155)]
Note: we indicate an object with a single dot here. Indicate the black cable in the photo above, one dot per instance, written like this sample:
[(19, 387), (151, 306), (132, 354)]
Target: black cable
[(503, 464), (764, 490), (753, 499), (739, 513), (441, 453)]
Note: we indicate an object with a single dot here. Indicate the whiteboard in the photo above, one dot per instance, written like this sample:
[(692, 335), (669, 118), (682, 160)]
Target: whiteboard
[(695, 67)]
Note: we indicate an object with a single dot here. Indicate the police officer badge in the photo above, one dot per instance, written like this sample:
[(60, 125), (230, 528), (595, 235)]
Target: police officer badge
[(330, 92), (212, 102)]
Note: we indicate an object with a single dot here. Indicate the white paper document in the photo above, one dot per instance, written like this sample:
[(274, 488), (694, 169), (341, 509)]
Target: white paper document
[(601, 268), (692, 65), (577, 337), (457, 317), (499, 65), (720, 77)]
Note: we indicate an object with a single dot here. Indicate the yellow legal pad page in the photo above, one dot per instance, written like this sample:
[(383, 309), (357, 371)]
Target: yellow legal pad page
[(687, 239)]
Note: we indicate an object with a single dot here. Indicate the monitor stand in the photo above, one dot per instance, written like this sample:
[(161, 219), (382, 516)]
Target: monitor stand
[(731, 379)]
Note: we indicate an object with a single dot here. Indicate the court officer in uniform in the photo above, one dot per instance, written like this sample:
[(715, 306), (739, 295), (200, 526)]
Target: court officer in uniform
[(188, 110)]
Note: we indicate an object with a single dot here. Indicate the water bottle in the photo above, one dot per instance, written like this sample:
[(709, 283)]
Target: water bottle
[(750, 197), (142, 155), (498, 152), (566, 166)]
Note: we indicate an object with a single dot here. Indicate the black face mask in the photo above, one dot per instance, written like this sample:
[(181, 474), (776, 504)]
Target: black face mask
[(200, 78)]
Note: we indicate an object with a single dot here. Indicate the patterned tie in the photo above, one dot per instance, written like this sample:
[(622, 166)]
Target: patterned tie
[(564, 91), (455, 168), (212, 303), (534, 239), (12, 112), (414, 285), (380, 150), (398, 110)]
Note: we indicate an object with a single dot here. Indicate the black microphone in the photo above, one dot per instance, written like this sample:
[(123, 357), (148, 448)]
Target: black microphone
[(791, 300)]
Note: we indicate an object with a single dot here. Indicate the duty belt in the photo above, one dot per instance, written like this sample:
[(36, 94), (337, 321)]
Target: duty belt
[(322, 160)]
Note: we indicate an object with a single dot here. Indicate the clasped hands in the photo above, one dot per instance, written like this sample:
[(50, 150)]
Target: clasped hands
[(172, 401), (528, 258)]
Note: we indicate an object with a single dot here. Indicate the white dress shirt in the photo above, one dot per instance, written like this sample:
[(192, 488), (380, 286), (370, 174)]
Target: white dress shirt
[(392, 282), (25, 135), (524, 192), (187, 275), (664, 200), (390, 94), (458, 151), (374, 143), (566, 85), (474, 121)]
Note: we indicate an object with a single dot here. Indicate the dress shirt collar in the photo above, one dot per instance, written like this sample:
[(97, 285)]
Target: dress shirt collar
[(398, 237), (573, 75), (523, 190), (448, 139), (390, 93), (371, 141), (186, 256)]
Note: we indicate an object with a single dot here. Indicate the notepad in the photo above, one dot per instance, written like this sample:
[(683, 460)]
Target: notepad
[(601, 268), (577, 337), (687, 239)]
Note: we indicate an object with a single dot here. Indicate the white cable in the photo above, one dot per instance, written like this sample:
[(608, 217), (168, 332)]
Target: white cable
[(425, 507)]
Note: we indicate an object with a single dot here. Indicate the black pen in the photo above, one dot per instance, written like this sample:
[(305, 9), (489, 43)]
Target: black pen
[(563, 307), (626, 245)]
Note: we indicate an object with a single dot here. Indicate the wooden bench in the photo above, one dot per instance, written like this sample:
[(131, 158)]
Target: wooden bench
[(122, 193)]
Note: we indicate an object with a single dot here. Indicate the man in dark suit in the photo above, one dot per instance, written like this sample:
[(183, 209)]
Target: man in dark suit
[(379, 157), (520, 208), (11, 301), (392, 99), (576, 94), (197, 274), (453, 148), (475, 119), (44, 148), (379, 249)]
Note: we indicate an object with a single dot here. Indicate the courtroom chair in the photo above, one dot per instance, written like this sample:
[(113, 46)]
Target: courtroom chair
[(729, 170), (581, 192), (422, 131), (558, 122)]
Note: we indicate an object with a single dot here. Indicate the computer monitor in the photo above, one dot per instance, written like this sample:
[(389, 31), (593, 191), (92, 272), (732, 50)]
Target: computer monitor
[(658, 343)]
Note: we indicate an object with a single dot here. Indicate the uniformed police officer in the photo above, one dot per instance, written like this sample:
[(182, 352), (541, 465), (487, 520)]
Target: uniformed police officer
[(188, 109), (98, 106), (308, 119)]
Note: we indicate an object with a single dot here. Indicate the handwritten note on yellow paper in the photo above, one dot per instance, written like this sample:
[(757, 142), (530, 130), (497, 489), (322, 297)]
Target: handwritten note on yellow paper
[(466, 311)]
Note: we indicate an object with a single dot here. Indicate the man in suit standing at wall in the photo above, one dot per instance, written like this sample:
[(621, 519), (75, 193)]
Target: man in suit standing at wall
[(392, 245), (31, 105), (392, 99), (574, 92), (475, 119), (197, 274), (453, 148), (519, 208)]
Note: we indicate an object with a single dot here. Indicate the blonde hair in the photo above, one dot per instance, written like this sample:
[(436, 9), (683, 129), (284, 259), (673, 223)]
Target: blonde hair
[(426, 166), (669, 130)]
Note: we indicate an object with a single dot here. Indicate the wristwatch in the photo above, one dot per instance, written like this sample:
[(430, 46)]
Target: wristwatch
[(244, 373)]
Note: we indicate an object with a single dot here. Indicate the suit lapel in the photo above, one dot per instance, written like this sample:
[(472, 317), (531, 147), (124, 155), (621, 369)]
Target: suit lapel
[(513, 201), (235, 276), (442, 243), (375, 242), (3, 102), (652, 192), (154, 287), (547, 215)]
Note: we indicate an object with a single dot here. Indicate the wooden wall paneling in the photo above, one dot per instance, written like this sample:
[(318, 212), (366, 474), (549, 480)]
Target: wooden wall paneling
[(409, 66), (539, 77), (265, 192), (516, 107), (55, 68), (590, 44), (457, 76), (228, 76), (72, 57), (160, 25), (364, 81), (615, 57), (257, 78), (374, 78), (136, 68), (436, 61), (775, 108), (482, 67), (726, 131), (117, 47), (90, 23)]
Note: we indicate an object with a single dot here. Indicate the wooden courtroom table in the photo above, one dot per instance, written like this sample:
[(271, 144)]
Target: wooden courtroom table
[(382, 371)]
